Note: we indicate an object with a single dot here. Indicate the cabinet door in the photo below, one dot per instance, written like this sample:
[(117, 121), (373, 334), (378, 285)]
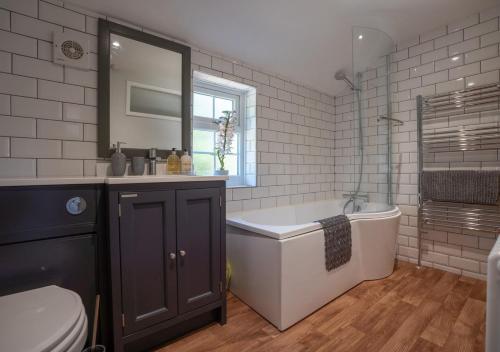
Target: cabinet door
[(198, 244), (148, 266)]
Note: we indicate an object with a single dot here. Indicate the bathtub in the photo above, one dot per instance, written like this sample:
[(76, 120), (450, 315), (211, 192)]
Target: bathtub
[(278, 262)]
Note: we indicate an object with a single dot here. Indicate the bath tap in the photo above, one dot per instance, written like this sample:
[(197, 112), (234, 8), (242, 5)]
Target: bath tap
[(354, 199), (357, 196)]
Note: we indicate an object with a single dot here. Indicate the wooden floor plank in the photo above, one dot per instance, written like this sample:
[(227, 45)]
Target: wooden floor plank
[(413, 310), (466, 329), (408, 333), (427, 279), (439, 328), (382, 329), (343, 341), (443, 287), (425, 346), (479, 291)]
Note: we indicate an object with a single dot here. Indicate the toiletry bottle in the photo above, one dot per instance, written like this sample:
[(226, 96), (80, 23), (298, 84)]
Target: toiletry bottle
[(186, 163), (173, 163), (152, 161), (118, 161)]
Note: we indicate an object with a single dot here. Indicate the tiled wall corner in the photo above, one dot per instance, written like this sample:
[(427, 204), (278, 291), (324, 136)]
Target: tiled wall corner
[(450, 58), (294, 156)]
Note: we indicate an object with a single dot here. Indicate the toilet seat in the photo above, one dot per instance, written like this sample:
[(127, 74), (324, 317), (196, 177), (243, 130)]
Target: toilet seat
[(78, 344), (72, 335), (46, 319)]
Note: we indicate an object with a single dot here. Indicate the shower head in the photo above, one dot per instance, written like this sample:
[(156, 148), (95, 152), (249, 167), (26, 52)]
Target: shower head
[(341, 76)]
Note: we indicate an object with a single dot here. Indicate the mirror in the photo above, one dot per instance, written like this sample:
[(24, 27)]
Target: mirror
[(144, 92), (145, 84)]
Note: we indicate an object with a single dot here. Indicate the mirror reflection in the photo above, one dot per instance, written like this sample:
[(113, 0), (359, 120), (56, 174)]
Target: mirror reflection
[(145, 95)]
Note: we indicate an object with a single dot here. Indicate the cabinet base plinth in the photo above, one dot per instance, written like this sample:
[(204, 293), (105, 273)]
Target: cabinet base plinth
[(167, 335)]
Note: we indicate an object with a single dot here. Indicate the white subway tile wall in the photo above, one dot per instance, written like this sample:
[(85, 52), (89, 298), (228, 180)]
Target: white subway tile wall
[(48, 118), (460, 54), (48, 115)]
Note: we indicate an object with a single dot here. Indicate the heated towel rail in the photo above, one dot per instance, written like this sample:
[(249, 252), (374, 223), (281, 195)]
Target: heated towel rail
[(458, 130)]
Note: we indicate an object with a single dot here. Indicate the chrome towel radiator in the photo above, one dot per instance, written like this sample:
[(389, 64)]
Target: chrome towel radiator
[(458, 130)]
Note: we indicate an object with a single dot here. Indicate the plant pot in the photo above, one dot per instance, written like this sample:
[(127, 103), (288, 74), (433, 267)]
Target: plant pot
[(221, 172)]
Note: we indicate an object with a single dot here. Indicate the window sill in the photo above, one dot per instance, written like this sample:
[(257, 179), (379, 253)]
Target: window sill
[(241, 186)]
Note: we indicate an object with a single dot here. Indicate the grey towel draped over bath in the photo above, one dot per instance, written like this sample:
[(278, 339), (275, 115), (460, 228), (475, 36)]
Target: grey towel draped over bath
[(461, 186), (338, 241)]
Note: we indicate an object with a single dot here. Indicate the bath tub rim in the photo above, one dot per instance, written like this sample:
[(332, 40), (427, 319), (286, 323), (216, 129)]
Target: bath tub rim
[(281, 232)]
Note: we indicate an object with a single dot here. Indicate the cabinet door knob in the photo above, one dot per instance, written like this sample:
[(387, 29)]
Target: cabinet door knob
[(182, 253), (172, 256)]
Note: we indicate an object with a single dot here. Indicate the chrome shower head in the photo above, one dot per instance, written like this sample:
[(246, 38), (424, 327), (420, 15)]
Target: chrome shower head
[(341, 76)]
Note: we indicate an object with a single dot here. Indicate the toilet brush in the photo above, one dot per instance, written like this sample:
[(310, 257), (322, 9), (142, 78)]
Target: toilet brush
[(96, 319)]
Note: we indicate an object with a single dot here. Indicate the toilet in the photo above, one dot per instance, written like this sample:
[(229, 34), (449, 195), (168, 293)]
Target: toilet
[(45, 319)]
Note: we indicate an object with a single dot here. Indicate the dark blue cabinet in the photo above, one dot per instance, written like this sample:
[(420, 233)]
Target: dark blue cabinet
[(167, 260), (147, 250), (198, 239), (42, 243)]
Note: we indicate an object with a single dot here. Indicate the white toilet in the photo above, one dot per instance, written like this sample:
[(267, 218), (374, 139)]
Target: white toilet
[(49, 318)]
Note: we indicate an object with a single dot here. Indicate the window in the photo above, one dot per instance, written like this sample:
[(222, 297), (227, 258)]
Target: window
[(208, 103)]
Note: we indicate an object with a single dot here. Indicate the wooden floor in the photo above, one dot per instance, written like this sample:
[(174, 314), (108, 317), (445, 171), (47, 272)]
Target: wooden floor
[(413, 310)]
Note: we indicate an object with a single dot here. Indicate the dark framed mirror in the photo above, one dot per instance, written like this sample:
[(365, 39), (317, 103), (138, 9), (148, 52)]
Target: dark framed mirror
[(144, 88)]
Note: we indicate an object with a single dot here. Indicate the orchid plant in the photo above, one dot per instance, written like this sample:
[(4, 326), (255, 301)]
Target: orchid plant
[(225, 135)]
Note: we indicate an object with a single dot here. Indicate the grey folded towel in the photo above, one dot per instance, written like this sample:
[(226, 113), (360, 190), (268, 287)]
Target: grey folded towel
[(338, 241), (461, 186)]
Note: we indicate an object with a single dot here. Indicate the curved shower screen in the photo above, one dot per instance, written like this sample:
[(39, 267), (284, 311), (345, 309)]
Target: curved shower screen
[(371, 140)]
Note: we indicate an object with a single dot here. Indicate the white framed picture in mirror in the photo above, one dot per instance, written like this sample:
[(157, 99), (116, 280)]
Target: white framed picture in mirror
[(145, 100)]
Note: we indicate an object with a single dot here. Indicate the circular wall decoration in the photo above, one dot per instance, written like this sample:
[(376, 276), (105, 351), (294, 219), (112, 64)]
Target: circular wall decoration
[(72, 49)]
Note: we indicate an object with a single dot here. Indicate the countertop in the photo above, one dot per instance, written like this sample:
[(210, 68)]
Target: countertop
[(47, 181)]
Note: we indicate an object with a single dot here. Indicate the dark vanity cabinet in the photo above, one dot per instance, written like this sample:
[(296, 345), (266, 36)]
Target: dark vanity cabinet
[(148, 258), (199, 247), (167, 260), (52, 235)]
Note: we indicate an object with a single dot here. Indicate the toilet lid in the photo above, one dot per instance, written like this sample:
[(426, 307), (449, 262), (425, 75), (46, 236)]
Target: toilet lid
[(72, 337), (39, 319), (79, 343)]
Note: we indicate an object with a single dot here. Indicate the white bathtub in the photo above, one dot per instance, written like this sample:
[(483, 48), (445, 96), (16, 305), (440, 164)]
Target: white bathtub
[(278, 260)]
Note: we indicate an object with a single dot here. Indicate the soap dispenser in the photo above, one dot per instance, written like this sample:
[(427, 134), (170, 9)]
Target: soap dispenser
[(173, 163), (186, 163), (118, 161)]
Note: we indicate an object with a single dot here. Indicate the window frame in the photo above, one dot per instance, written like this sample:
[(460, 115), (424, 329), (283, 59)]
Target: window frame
[(207, 124)]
